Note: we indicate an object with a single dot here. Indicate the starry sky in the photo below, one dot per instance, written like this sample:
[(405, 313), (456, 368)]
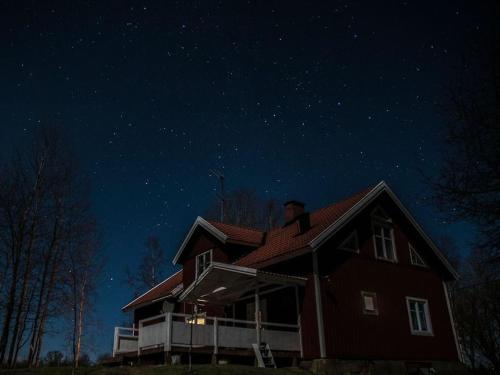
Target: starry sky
[(310, 101)]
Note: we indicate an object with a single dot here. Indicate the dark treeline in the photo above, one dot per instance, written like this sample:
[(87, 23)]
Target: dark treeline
[(49, 241), (468, 188)]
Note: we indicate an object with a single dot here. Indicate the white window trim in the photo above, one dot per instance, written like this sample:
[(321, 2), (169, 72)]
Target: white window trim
[(375, 300), (355, 234), (429, 331), (197, 256), (412, 248), (386, 224)]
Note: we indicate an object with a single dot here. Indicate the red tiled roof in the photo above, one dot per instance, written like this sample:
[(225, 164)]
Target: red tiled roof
[(240, 234), (161, 290), (287, 240)]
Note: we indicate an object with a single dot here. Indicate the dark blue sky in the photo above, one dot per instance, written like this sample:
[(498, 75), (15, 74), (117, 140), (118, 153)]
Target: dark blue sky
[(294, 100)]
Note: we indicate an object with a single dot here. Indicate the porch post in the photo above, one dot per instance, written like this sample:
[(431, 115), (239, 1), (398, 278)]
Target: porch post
[(168, 338), (115, 342), (216, 341), (139, 342), (299, 323), (257, 314), (319, 306)]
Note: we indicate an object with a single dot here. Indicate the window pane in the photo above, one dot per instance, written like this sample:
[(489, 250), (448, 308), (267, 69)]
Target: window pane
[(200, 265), (421, 313), (378, 230), (379, 248), (387, 232), (414, 320), (369, 304), (389, 249)]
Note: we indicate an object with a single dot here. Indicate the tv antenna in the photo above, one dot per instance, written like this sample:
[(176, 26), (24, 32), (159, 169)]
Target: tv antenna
[(220, 194)]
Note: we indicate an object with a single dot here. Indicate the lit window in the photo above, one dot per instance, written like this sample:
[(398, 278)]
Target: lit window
[(200, 318), (418, 313), (203, 260), (350, 243), (415, 257), (369, 302)]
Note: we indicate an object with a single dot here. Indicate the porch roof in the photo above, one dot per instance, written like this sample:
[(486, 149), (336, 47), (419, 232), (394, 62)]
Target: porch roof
[(223, 283)]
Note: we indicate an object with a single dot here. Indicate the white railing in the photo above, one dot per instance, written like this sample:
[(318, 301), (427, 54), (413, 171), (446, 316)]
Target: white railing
[(171, 329), (125, 340)]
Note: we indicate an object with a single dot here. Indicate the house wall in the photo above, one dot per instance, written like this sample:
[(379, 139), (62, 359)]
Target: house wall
[(349, 333), (200, 243), (302, 266)]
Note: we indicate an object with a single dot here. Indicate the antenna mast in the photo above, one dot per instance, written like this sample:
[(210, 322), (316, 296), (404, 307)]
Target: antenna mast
[(220, 195)]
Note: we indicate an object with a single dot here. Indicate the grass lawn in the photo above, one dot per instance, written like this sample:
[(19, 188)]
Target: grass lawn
[(156, 370)]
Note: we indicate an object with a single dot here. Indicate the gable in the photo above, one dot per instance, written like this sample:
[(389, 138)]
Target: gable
[(223, 233), (382, 204), (287, 242)]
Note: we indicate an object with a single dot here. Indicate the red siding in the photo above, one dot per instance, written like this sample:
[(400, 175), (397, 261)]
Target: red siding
[(351, 334), (200, 243), (309, 323)]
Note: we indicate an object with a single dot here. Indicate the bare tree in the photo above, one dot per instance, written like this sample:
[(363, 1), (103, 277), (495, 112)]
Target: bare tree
[(84, 264), (244, 207), (41, 192), (151, 268)]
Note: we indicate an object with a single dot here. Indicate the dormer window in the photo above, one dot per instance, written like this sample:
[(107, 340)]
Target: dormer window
[(203, 260), (415, 257), (383, 235)]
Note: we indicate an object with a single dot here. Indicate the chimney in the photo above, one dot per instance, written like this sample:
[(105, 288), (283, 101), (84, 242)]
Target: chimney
[(293, 209)]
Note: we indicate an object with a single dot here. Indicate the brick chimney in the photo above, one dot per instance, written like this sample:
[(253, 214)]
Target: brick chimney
[(293, 209)]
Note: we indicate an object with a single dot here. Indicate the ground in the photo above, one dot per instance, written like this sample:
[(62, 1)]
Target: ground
[(157, 370)]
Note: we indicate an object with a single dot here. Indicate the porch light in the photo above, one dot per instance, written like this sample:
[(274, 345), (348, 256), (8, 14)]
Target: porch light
[(200, 319)]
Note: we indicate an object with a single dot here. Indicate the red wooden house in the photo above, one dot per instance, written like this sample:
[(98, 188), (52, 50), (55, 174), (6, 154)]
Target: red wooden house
[(356, 280)]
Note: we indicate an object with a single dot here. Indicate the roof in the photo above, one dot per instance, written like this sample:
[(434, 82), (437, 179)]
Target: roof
[(160, 291), (240, 234), (223, 232), (287, 241), (222, 283)]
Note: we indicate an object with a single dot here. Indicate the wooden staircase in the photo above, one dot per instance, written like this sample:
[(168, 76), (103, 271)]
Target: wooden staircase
[(264, 355)]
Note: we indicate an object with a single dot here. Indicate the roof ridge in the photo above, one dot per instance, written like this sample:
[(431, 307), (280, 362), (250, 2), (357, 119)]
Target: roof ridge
[(360, 192), (280, 231), (237, 226)]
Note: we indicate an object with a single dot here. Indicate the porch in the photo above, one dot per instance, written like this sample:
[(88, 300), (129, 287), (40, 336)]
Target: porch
[(224, 286), (173, 333)]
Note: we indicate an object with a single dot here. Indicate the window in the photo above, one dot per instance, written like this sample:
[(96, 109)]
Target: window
[(198, 318), (418, 313), (384, 241), (383, 235), (350, 243), (369, 303), (415, 257), (203, 260)]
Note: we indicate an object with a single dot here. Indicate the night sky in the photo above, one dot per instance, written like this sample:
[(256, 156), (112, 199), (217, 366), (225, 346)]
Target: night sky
[(293, 100)]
